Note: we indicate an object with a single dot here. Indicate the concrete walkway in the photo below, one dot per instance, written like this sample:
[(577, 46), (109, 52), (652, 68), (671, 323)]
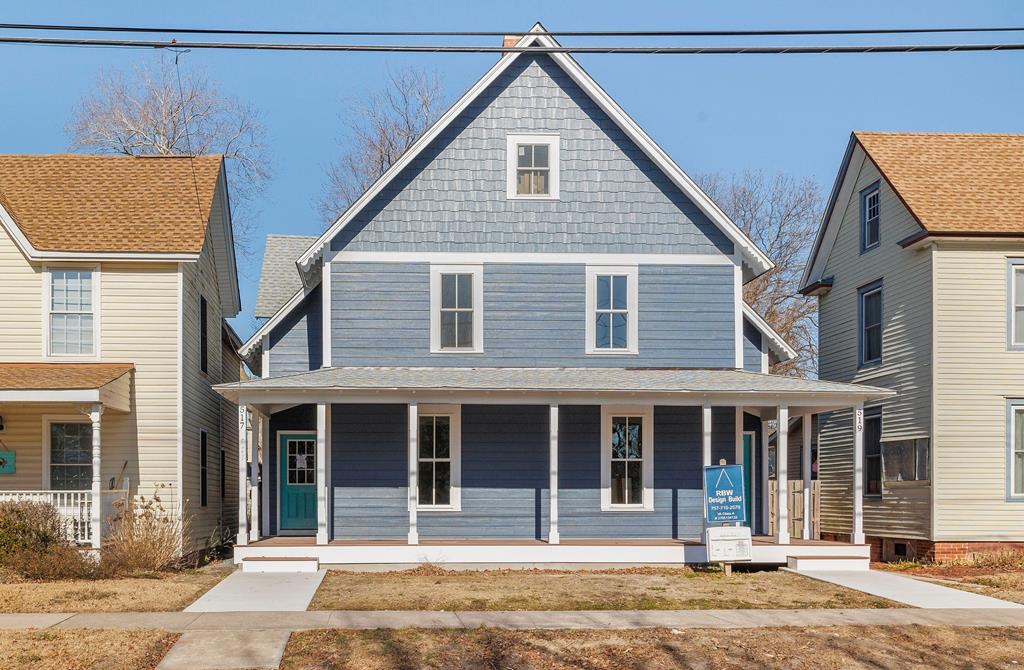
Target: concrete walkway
[(253, 592), (908, 590)]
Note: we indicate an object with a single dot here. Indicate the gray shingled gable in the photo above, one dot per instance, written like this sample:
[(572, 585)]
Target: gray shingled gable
[(279, 277)]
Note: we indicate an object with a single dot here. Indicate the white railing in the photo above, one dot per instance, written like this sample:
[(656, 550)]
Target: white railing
[(74, 508)]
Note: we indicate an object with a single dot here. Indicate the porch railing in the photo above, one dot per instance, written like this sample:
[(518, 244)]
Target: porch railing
[(73, 507)]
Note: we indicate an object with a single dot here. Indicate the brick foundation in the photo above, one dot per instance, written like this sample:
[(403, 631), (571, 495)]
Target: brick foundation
[(891, 549)]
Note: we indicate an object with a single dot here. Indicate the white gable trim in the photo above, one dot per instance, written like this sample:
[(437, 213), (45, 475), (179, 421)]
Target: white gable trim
[(782, 350), (755, 259)]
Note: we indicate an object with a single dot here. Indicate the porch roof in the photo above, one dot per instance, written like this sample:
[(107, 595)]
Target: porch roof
[(719, 383), (105, 383)]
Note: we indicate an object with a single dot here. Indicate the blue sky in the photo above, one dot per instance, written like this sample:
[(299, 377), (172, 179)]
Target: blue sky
[(710, 113)]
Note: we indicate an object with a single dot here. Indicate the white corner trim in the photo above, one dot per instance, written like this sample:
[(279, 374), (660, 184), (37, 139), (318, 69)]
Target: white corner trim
[(97, 311), (775, 341), (738, 304), (325, 315), (632, 274), (454, 414), (646, 412), (477, 272), (553, 142)]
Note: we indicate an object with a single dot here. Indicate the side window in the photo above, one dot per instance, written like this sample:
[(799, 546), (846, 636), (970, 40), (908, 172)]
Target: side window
[(870, 217), (204, 336), (533, 167), (905, 460), (1015, 298), (203, 469), (456, 309), (873, 451), (612, 325), (870, 324)]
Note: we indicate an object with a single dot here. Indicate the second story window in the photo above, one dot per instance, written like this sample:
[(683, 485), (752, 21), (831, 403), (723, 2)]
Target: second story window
[(204, 336), (1015, 294), (533, 167), (612, 296), (870, 217), (72, 318), (870, 334), (456, 309)]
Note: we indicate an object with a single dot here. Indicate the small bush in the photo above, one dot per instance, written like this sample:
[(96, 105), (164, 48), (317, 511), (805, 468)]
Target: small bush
[(33, 544), (143, 538)]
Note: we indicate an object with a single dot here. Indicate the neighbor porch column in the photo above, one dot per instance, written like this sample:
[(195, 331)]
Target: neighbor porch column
[(782, 477), (765, 481), (805, 467), (414, 462), (321, 472), (243, 478), (96, 520), (705, 428), (254, 478), (857, 536), (553, 475)]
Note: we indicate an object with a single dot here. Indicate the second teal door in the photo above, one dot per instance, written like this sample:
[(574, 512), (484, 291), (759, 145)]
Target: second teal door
[(297, 459)]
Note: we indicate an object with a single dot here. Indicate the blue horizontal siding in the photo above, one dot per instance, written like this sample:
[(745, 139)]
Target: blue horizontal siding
[(296, 344), (752, 342)]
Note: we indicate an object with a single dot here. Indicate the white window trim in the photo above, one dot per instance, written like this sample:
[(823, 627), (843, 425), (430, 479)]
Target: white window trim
[(632, 274), (50, 419), (454, 414), (646, 412), (47, 302), (477, 271), (553, 141), (1016, 339)]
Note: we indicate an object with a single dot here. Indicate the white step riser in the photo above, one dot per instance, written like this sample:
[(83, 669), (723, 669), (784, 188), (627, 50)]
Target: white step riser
[(280, 566), (810, 563)]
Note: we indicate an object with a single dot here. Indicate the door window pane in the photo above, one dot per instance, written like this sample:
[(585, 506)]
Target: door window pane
[(301, 465)]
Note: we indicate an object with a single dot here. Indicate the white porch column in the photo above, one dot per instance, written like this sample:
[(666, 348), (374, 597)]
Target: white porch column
[(254, 478), (805, 467), (857, 536), (96, 520), (414, 463), (321, 473), (705, 428), (739, 437), (243, 478), (782, 475), (553, 474), (261, 454), (765, 482)]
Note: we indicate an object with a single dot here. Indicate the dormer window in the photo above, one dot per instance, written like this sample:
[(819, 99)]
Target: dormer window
[(870, 217), (532, 167)]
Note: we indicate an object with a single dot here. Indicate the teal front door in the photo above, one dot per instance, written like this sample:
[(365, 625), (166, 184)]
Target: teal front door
[(297, 478), (748, 476)]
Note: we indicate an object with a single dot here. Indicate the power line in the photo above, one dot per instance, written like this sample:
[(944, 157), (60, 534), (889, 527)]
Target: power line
[(497, 33), (409, 48)]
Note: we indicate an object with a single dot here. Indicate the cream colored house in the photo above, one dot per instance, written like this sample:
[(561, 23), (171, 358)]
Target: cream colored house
[(117, 274), (919, 272)]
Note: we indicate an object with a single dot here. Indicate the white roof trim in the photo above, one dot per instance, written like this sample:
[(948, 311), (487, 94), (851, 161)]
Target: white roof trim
[(756, 260), (256, 338), (782, 350)]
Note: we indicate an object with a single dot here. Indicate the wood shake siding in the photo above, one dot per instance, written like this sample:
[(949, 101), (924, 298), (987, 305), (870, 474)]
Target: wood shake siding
[(975, 375), (903, 509)]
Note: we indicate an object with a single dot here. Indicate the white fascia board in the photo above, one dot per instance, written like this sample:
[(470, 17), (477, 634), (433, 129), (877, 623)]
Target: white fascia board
[(58, 395), (257, 338), (755, 258), (227, 237), (775, 341)]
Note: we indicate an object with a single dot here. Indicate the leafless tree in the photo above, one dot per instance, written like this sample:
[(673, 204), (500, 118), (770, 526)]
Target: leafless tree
[(781, 214), (149, 110), (378, 129)]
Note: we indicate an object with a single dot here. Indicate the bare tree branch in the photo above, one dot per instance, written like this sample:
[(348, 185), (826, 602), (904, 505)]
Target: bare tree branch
[(144, 112), (377, 131), (781, 214)]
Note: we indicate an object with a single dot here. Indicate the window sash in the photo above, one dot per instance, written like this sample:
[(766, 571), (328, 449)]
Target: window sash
[(1017, 304), (434, 461), (71, 320), (204, 469), (70, 456), (873, 453), (457, 311), (1017, 453), (627, 461), (204, 335), (872, 216), (533, 165), (871, 325), (611, 312)]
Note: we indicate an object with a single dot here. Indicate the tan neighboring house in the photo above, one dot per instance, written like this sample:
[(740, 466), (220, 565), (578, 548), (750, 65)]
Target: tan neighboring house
[(117, 275), (919, 272)]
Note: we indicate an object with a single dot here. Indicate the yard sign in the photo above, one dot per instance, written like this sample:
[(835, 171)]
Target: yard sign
[(724, 500)]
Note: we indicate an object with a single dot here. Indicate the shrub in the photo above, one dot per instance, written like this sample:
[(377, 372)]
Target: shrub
[(143, 538), (33, 543)]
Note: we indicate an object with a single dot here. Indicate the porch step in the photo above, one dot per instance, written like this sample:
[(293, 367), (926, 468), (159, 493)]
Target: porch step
[(280, 564), (804, 563)]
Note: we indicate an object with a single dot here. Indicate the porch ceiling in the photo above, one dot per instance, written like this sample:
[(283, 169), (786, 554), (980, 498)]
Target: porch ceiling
[(106, 383)]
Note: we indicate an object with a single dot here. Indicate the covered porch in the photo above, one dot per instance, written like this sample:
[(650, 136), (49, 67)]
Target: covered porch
[(536, 465), (51, 437)]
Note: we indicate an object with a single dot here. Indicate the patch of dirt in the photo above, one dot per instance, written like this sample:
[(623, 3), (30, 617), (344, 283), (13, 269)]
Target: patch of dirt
[(434, 588), (84, 649), (153, 593), (876, 647)]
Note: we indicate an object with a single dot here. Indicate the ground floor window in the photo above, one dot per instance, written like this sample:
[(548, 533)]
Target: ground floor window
[(1016, 474), (70, 456), (905, 460), (438, 458), (873, 451), (627, 460)]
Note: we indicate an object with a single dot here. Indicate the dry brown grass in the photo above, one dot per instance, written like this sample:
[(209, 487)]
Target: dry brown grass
[(834, 647), (433, 588), (84, 649), (158, 593)]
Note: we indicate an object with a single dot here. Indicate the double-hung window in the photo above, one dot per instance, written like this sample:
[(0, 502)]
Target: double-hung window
[(1015, 458), (1015, 298), (873, 451), (870, 331), (70, 463), (627, 467), (532, 167), (438, 450), (456, 309), (204, 468), (71, 302), (612, 316), (870, 217)]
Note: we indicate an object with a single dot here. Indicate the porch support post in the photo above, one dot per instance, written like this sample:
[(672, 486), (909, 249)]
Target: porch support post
[(553, 475), (805, 474), (254, 478), (414, 429), (321, 473), (765, 481), (243, 453), (96, 520), (782, 475), (739, 436), (705, 427), (261, 454), (857, 536)]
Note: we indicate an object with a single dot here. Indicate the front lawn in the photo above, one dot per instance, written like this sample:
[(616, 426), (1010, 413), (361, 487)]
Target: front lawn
[(163, 592), (896, 647), (434, 588), (84, 649)]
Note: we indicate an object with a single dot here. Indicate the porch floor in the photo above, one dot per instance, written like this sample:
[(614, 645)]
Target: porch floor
[(310, 541)]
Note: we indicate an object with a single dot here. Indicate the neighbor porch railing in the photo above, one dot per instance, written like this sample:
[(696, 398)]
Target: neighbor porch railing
[(74, 508)]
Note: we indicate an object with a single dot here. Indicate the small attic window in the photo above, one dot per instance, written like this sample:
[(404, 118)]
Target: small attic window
[(870, 216), (532, 167)]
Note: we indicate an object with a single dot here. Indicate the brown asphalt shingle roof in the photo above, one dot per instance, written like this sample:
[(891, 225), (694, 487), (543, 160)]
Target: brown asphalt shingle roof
[(954, 182), (59, 376), (144, 204)]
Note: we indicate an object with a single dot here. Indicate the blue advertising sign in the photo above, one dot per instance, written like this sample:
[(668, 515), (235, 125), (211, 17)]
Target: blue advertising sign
[(724, 499)]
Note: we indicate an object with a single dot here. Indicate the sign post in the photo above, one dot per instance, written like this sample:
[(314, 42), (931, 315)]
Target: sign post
[(725, 503)]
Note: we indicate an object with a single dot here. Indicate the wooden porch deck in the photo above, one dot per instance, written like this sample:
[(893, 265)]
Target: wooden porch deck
[(310, 541)]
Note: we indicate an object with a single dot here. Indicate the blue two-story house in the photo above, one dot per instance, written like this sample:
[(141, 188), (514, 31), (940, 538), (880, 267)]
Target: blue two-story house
[(522, 343)]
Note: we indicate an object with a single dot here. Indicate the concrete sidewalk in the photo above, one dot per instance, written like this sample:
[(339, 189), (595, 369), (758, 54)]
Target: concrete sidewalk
[(907, 590), (585, 620), (252, 592)]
